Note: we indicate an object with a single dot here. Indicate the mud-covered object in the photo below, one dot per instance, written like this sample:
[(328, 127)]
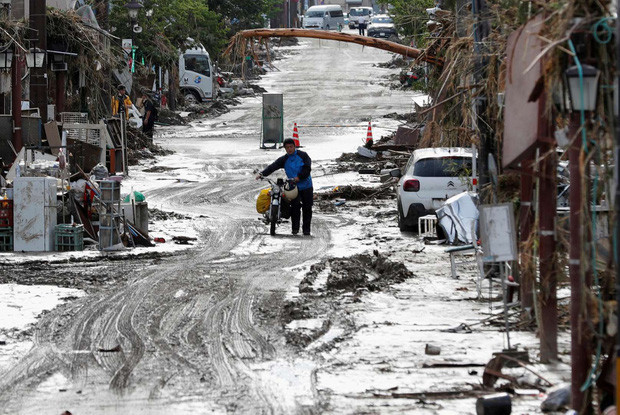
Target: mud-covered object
[(99, 172), (263, 201), (458, 217), (557, 398), (372, 272)]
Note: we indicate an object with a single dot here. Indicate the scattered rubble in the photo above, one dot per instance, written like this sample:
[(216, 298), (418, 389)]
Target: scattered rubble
[(356, 192), (325, 288), (141, 147), (168, 117), (156, 214), (372, 272)]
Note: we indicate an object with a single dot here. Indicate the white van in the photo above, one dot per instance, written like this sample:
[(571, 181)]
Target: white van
[(324, 17)]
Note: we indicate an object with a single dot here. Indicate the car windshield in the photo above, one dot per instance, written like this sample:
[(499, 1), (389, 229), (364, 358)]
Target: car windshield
[(359, 12), (197, 63), (315, 13), (443, 167), (382, 19)]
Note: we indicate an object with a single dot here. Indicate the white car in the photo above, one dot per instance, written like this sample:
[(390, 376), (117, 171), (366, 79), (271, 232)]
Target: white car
[(431, 176)]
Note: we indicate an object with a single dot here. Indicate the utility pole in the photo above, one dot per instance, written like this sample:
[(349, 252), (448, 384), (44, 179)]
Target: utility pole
[(547, 202), (526, 224), (481, 32), (38, 76), (16, 98), (580, 350), (61, 83)]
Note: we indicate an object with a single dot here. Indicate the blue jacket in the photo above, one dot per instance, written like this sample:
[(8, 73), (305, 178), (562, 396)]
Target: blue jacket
[(297, 164)]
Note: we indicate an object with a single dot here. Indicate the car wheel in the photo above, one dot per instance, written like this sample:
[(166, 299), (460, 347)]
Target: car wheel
[(191, 98), (401, 221)]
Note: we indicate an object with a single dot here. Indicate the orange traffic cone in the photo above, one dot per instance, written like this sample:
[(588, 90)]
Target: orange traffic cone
[(369, 133), (296, 135)]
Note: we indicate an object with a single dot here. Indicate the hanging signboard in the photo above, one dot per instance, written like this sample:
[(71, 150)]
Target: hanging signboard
[(126, 44), (497, 232), (273, 119)]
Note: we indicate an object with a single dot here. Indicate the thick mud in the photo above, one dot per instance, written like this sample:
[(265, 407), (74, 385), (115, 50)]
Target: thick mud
[(328, 286)]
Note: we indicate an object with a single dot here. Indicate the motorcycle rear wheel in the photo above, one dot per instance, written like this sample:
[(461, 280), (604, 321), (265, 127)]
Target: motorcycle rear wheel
[(273, 219)]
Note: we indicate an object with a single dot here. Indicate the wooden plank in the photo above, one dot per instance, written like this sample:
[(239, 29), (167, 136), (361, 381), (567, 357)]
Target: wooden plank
[(53, 137)]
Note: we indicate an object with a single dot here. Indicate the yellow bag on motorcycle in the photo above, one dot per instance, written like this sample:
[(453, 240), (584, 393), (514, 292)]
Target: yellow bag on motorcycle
[(263, 201)]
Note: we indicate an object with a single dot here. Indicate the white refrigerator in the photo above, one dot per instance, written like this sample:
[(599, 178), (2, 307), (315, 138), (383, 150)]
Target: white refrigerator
[(34, 213)]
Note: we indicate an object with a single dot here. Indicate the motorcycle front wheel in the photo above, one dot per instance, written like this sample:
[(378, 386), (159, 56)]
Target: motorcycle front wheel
[(273, 219)]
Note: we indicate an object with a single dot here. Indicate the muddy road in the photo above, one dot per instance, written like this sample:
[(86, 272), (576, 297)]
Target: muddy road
[(199, 332)]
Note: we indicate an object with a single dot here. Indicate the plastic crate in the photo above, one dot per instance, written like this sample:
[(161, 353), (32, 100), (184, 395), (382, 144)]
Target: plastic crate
[(74, 118), (6, 239), (69, 238), (6, 213), (86, 135)]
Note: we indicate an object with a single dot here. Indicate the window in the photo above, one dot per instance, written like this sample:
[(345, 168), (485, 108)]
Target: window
[(359, 12), (382, 19), (443, 167), (198, 64), (314, 13), (336, 13)]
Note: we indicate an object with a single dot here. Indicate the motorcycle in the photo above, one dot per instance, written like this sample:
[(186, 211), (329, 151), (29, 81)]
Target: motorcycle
[(281, 193)]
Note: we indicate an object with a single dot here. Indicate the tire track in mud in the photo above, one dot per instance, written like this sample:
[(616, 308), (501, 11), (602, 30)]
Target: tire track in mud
[(207, 334)]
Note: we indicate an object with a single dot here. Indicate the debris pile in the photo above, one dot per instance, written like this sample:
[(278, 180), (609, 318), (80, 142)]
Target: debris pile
[(373, 272), (326, 287), (354, 192), (140, 147)]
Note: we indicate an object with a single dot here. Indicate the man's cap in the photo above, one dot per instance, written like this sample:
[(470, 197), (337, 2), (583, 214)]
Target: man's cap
[(288, 141)]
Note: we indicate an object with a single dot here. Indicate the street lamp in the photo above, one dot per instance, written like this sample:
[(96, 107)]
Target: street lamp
[(35, 58), (583, 87), (583, 90), (6, 58), (133, 7)]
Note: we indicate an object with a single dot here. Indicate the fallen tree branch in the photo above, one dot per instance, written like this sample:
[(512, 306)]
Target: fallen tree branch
[(338, 36)]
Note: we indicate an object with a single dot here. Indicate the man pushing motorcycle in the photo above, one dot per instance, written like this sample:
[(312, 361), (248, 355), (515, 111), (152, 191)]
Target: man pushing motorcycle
[(297, 165)]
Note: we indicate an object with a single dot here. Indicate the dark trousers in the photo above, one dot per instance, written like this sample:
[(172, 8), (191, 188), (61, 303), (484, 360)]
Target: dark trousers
[(147, 128), (361, 27), (303, 202)]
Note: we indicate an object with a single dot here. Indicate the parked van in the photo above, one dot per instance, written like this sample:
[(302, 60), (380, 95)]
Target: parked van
[(356, 12), (324, 17)]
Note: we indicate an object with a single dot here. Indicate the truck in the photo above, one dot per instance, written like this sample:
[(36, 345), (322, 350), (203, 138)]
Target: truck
[(196, 76)]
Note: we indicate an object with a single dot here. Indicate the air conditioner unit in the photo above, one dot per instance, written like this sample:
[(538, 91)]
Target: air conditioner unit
[(59, 66)]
